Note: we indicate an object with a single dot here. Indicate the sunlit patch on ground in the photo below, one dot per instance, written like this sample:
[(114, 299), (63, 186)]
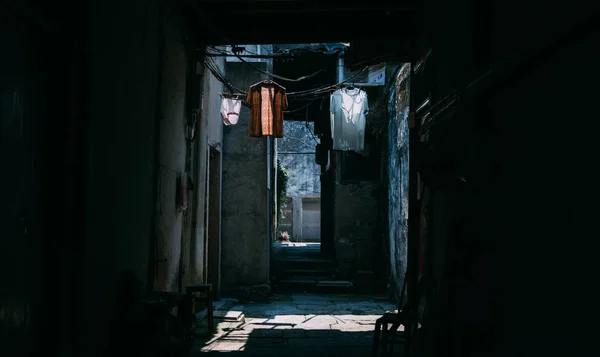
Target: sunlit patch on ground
[(304, 322)]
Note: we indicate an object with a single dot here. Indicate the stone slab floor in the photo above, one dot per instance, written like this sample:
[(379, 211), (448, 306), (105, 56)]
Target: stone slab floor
[(299, 325)]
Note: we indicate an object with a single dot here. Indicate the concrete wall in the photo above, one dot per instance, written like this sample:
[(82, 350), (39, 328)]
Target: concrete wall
[(209, 183), (139, 92), (124, 66), (209, 133), (172, 159), (304, 174), (311, 219), (356, 218), (212, 105), (397, 171), (245, 230)]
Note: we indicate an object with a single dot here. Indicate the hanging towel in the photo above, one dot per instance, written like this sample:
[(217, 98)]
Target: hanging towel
[(230, 110)]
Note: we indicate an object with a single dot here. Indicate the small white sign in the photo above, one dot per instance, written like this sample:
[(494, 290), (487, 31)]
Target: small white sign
[(377, 75)]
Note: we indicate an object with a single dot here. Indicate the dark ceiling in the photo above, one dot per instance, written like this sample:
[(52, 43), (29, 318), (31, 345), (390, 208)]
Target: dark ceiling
[(303, 21)]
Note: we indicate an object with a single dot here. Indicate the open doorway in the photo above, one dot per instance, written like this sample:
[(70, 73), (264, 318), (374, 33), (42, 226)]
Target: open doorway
[(300, 186)]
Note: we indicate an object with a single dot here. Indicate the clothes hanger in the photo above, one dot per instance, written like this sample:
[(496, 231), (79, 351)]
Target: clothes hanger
[(232, 95)]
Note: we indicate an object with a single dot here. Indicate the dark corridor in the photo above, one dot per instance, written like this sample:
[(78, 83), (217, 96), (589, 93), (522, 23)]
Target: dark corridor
[(503, 187)]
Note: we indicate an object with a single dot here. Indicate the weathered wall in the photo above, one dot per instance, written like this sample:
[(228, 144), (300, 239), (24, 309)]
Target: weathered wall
[(172, 158), (356, 217), (311, 219), (212, 105), (304, 174), (397, 171), (245, 230), (297, 153), (209, 133), (124, 66), (358, 230)]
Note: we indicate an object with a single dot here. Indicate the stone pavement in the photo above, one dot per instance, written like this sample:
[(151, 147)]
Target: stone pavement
[(300, 325)]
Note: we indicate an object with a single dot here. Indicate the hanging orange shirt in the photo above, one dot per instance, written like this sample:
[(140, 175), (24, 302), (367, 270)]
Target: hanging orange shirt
[(268, 100)]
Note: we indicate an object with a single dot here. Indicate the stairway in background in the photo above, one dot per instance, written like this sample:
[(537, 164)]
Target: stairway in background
[(300, 267)]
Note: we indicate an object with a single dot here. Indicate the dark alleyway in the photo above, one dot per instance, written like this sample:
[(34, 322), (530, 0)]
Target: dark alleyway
[(116, 163)]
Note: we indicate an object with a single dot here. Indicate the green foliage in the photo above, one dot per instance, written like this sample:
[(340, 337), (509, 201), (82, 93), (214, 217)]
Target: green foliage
[(282, 183)]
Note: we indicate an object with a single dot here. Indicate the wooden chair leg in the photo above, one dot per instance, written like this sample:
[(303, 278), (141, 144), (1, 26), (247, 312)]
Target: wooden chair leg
[(376, 338), (209, 301)]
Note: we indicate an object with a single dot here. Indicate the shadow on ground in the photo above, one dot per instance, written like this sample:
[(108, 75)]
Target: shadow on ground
[(311, 325), (290, 342)]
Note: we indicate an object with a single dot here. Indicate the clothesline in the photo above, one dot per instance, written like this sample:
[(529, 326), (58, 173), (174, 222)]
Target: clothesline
[(242, 96), (216, 72), (268, 103)]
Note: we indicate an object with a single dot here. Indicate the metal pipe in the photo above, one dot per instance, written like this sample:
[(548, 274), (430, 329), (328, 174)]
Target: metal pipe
[(340, 71)]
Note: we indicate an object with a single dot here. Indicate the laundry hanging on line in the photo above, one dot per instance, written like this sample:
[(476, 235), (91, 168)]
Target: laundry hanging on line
[(267, 100), (348, 109), (230, 108)]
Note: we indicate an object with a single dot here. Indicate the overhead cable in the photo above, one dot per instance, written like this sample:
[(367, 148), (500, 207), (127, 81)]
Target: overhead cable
[(318, 92)]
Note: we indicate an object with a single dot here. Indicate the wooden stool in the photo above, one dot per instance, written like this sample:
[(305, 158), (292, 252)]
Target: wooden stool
[(208, 298)]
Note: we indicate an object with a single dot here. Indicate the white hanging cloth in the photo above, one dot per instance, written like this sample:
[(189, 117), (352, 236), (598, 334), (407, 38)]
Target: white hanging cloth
[(347, 113), (230, 110)]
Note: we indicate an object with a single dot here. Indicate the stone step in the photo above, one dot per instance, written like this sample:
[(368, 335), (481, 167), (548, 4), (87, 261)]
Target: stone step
[(303, 272), (336, 283), (314, 285), (301, 280), (304, 260)]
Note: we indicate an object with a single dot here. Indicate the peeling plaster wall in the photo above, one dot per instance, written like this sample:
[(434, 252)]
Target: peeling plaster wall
[(397, 171)]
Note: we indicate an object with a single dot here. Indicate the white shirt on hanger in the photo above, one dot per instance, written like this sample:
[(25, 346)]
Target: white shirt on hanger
[(347, 112)]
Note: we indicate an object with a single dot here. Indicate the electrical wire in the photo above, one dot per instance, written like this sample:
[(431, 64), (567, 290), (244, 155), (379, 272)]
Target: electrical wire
[(315, 92), (311, 134), (301, 108), (326, 89), (220, 76), (224, 52), (310, 92)]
